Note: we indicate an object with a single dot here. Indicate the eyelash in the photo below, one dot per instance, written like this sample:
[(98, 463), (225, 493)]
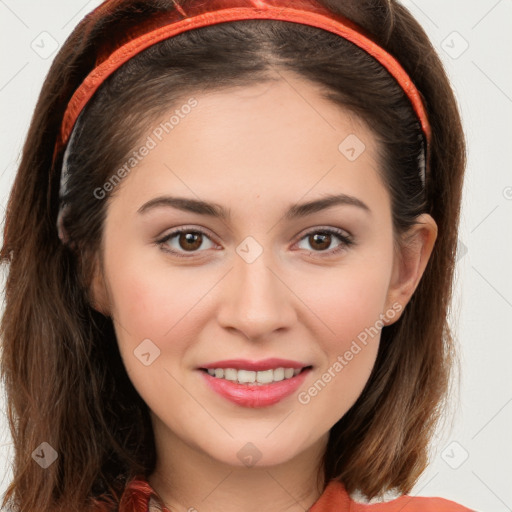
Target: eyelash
[(347, 240)]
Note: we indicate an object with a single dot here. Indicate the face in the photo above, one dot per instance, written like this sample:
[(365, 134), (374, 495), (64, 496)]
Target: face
[(268, 280)]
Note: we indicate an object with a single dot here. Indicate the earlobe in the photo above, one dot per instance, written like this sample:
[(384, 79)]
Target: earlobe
[(410, 262)]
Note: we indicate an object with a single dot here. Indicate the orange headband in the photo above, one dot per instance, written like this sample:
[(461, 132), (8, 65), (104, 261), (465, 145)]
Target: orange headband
[(201, 14)]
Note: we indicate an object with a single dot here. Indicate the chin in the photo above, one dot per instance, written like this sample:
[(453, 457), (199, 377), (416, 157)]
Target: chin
[(256, 451)]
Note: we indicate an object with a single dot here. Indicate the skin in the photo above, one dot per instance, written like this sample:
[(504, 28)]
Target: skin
[(256, 151)]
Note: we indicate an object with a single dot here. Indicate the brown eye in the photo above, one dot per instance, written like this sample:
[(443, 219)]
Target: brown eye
[(190, 241), (320, 240), (184, 240)]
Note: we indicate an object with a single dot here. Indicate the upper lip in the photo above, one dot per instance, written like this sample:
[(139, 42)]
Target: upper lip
[(262, 365)]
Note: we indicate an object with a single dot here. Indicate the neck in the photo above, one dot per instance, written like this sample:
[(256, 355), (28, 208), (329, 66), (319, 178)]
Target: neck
[(189, 480)]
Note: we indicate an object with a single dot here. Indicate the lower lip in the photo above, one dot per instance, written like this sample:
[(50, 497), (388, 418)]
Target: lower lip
[(254, 396)]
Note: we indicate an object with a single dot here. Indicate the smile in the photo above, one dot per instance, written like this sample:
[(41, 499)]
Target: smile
[(251, 388), (252, 377)]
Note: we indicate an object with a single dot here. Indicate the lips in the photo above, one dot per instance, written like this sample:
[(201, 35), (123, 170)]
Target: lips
[(255, 366), (250, 393)]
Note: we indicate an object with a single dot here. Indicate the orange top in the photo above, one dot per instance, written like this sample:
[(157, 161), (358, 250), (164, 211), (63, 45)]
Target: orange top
[(334, 499)]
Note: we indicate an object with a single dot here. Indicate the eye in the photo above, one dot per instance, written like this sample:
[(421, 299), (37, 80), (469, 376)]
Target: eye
[(191, 240), (187, 240), (320, 239)]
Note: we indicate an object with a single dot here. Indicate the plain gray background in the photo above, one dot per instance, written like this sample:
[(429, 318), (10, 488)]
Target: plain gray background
[(472, 461)]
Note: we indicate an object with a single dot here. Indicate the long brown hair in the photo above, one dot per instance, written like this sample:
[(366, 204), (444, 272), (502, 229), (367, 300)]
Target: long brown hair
[(65, 381)]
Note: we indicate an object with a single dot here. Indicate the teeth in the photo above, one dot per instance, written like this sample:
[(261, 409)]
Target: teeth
[(230, 374), (265, 377), (288, 373), (252, 377), (246, 377)]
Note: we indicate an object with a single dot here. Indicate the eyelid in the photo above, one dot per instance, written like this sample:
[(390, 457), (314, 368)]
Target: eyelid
[(329, 229), (187, 228)]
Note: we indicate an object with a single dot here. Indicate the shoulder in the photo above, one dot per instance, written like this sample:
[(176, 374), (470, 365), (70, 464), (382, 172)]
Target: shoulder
[(336, 498), (412, 504)]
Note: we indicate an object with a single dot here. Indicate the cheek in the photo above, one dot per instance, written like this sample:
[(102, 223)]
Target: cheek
[(154, 311), (347, 300), (349, 304), (153, 301)]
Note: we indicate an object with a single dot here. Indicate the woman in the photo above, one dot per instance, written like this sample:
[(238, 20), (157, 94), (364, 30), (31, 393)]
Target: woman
[(174, 336)]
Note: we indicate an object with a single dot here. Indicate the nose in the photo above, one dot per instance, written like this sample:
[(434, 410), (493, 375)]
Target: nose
[(256, 300)]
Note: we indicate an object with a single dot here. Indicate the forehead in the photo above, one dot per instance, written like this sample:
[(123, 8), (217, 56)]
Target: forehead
[(271, 140)]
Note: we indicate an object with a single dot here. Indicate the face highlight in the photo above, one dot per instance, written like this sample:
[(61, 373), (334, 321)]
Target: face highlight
[(252, 275)]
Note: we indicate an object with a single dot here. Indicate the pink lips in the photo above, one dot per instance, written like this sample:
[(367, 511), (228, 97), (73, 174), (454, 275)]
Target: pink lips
[(256, 366), (253, 395)]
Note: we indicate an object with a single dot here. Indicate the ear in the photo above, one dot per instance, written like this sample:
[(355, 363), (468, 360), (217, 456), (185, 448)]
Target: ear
[(409, 262), (98, 294)]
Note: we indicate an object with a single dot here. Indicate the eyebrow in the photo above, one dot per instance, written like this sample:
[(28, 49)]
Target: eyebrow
[(295, 211)]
